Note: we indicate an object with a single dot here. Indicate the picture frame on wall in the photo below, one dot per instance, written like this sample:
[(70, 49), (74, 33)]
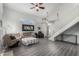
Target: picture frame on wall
[(27, 27)]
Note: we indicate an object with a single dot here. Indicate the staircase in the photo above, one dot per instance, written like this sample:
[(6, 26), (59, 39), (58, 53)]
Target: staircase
[(68, 17), (72, 23)]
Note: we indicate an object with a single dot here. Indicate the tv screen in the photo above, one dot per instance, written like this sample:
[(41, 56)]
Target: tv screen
[(27, 27)]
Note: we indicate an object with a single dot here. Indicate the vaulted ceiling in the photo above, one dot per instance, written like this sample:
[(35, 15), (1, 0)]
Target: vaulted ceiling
[(25, 8)]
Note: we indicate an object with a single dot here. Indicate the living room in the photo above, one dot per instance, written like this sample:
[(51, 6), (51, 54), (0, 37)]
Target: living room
[(36, 27), (13, 20)]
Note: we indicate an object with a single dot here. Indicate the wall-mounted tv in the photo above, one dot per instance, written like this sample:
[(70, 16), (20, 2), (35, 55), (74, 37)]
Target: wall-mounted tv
[(27, 27)]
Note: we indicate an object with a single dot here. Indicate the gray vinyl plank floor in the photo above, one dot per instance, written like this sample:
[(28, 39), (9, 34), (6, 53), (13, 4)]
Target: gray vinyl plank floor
[(47, 48)]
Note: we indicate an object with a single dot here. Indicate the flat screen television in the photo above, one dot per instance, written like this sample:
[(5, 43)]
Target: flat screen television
[(27, 27)]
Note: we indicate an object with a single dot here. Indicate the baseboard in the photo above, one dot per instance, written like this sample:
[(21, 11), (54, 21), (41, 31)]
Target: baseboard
[(67, 42)]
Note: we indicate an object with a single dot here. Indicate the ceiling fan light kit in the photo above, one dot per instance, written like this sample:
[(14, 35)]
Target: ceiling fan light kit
[(37, 6)]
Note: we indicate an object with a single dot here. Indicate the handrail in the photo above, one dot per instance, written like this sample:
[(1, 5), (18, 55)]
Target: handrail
[(66, 27)]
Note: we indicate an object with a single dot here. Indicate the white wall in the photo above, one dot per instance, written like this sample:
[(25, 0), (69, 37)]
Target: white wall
[(51, 29), (67, 13), (1, 10), (12, 18)]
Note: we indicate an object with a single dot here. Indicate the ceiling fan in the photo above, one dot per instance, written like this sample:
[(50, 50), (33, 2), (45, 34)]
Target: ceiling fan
[(37, 6)]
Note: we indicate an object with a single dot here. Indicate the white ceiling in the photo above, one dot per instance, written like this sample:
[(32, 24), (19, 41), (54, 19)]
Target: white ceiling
[(25, 8)]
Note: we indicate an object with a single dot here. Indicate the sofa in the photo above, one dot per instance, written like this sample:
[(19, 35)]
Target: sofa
[(9, 40)]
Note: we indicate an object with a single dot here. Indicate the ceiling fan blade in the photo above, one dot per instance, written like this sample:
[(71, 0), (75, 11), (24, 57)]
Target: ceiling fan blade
[(40, 3), (32, 3), (32, 7), (42, 7)]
